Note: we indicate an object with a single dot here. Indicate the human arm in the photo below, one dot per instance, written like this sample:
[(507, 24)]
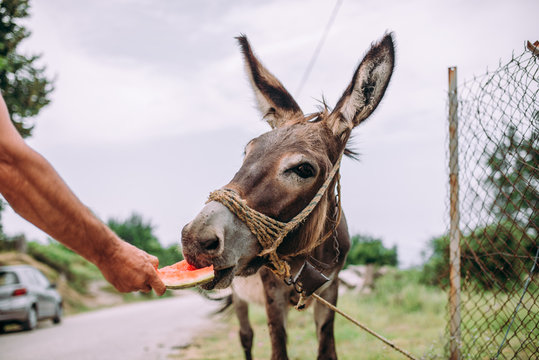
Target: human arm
[(36, 192)]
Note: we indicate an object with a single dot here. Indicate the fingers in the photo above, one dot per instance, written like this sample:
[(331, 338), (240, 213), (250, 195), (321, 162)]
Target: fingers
[(133, 269), (143, 284), (157, 285), (154, 261), (150, 279), (146, 289), (154, 281)]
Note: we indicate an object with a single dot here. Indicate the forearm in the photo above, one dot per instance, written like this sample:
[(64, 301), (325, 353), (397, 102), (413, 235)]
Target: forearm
[(36, 192)]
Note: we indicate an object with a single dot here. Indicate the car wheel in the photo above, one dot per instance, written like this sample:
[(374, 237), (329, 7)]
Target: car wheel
[(58, 314), (31, 321)]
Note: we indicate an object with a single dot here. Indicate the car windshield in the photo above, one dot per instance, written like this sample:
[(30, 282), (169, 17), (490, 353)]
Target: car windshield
[(8, 278)]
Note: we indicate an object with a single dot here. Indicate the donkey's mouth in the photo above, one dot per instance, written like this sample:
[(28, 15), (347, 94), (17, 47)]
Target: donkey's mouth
[(222, 279)]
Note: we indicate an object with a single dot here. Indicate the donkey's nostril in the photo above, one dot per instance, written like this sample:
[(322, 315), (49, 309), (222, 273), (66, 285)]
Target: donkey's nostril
[(211, 244)]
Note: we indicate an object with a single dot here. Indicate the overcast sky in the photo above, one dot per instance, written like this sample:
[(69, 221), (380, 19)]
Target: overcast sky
[(152, 109)]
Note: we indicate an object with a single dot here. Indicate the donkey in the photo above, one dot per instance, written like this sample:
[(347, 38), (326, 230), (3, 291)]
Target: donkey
[(282, 171)]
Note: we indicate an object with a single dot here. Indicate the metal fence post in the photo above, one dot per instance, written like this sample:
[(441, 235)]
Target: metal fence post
[(454, 231)]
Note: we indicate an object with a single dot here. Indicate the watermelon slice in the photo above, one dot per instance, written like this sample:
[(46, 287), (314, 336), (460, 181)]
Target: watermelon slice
[(183, 275)]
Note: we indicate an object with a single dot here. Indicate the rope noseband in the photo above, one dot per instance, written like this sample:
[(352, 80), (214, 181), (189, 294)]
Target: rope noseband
[(269, 232)]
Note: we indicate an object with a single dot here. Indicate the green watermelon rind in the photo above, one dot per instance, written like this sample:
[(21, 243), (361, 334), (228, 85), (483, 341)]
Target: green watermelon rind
[(188, 283)]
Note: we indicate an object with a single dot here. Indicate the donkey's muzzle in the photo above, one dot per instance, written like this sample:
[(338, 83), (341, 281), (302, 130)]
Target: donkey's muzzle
[(201, 244)]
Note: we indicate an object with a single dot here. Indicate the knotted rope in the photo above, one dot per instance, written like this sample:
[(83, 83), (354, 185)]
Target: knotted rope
[(270, 232)]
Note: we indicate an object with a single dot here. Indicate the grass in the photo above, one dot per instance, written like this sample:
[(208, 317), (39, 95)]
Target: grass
[(403, 311), (486, 318)]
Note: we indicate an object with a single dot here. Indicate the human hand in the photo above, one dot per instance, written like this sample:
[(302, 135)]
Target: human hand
[(129, 268)]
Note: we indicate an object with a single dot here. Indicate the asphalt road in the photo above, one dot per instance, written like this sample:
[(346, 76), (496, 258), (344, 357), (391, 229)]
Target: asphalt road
[(147, 331)]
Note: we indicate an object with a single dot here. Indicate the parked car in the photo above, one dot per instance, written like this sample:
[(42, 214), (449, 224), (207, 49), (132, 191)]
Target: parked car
[(26, 296)]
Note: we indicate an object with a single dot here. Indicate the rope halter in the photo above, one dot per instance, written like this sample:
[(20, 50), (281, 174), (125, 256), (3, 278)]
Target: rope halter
[(269, 232)]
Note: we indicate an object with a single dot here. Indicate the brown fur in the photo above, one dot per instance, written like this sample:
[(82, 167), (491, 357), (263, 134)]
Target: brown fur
[(281, 172)]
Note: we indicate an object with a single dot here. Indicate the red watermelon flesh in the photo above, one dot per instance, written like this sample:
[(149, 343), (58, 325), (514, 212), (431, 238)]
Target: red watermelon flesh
[(183, 275)]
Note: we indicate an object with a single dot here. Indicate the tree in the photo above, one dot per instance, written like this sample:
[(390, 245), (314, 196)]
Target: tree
[(496, 254), (138, 232), (368, 250), (514, 177), (24, 86), (492, 257), (23, 83), (435, 270)]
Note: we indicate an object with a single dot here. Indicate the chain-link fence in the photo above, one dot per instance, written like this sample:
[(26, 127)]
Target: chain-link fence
[(494, 195)]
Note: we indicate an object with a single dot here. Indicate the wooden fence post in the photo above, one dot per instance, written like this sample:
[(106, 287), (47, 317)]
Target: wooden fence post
[(454, 231)]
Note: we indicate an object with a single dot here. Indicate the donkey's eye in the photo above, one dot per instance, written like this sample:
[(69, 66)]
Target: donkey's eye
[(304, 170)]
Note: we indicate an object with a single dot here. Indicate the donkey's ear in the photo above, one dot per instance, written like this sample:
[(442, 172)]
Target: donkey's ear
[(366, 89), (274, 101)]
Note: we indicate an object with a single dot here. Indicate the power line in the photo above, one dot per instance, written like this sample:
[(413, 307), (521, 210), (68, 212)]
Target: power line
[(319, 46)]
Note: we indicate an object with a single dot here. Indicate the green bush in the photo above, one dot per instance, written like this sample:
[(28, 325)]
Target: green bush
[(138, 232), (436, 268), (54, 255), (492, 257), (76, 269), (368, 250), (169, 255)]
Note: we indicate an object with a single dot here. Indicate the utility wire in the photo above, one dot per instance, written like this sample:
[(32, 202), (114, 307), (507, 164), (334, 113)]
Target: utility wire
[(319, 46)]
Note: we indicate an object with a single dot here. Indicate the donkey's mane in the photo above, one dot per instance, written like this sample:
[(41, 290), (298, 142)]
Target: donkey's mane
[(317, 224), (323, 112)]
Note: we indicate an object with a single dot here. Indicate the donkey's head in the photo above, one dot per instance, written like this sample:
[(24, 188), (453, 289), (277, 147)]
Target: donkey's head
[(284, 168)]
